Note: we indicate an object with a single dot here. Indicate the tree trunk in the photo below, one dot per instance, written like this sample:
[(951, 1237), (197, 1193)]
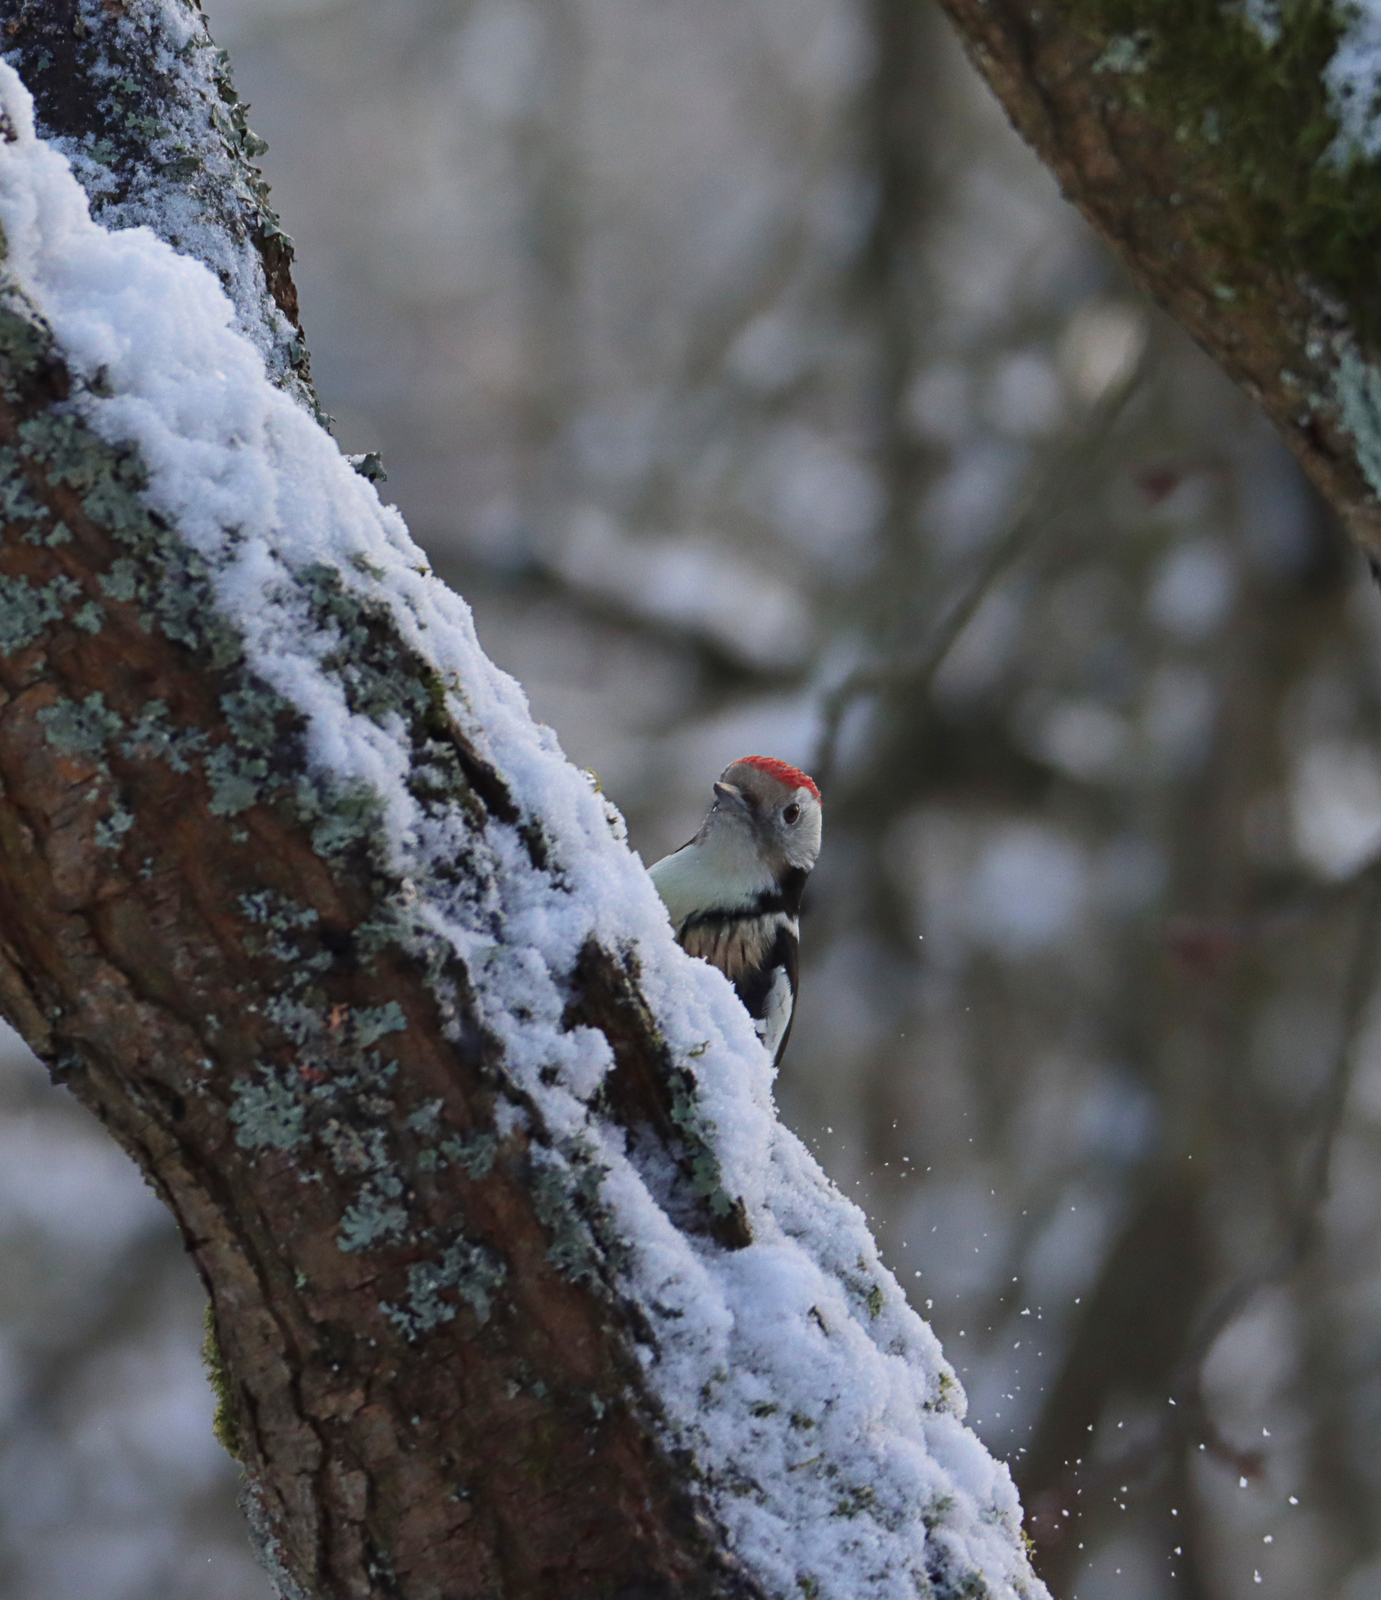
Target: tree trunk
[(517, 1286)]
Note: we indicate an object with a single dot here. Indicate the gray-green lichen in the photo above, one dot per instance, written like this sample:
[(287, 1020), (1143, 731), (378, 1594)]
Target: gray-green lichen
[(473, 1271), (426, 1120), (476, 1155), (27, 609), (374, 1214), (268, 1113), (373, 1023), (1357, 388), (346, 818), (235, 780), (121, 581), (1126, 52), (283, 924), (707, 1178), (17, 503), (81, 729), (275, 910), (111, 829), (153, 736), (565, 1192)]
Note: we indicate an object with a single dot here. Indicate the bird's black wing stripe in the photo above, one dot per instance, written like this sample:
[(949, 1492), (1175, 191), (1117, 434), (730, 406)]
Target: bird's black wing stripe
[(793, 886), (753, 987), (719, 919), (786, 898)]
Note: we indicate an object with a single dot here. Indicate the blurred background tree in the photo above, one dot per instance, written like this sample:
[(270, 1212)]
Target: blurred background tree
[(759, 391)]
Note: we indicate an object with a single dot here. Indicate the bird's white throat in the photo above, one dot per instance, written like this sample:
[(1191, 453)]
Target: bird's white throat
[(723, 871)]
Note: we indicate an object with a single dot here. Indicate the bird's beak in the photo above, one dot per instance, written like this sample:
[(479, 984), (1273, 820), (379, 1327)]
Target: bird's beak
[(730, 794)]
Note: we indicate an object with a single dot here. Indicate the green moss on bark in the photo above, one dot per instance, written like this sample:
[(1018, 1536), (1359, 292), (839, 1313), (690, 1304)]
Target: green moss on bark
[(223, 1423), (1254, 120)]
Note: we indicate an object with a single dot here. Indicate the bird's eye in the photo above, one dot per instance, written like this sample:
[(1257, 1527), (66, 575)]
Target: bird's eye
[(792, 813)]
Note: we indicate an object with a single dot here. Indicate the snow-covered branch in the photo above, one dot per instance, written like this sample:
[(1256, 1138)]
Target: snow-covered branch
[(141, 102), (519, 1283)]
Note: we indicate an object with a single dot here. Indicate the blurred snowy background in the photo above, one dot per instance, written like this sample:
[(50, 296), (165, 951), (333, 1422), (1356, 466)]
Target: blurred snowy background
[(719, 352)]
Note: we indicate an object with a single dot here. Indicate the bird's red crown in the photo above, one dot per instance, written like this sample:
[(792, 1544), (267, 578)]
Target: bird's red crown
[(782, 771)]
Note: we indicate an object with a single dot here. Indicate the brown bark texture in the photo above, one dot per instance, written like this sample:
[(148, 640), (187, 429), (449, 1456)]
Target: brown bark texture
[(1205, 151)]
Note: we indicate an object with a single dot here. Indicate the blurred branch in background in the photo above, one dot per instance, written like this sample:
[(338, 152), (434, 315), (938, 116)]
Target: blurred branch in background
[(1188, 1423), (908, 674)]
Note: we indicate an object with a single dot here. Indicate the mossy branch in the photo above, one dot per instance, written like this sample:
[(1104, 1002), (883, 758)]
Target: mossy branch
[(1206, 152)]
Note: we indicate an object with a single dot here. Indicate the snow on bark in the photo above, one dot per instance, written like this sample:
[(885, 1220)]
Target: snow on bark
[(1354, 80), (825, 1426), (1353, 75), (140, 100)]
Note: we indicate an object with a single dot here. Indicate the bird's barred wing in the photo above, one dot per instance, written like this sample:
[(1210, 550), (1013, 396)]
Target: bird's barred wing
[(741, 945), (757, 953)]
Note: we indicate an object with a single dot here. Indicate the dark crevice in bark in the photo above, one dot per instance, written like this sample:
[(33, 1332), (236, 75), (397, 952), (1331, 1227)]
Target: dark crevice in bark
[(648, 1094)]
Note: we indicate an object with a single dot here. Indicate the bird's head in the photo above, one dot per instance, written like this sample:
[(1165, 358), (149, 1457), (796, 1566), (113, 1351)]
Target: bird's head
[(775, 805)]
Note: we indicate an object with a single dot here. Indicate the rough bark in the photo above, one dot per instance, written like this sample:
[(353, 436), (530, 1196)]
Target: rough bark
[(1202, 152)]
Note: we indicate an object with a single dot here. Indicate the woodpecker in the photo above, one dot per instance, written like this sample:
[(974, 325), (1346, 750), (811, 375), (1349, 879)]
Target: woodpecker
[(734, 892)]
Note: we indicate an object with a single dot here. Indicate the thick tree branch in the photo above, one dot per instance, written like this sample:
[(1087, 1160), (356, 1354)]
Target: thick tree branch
[(141, 101), (1202, 147), (520, 1287)]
